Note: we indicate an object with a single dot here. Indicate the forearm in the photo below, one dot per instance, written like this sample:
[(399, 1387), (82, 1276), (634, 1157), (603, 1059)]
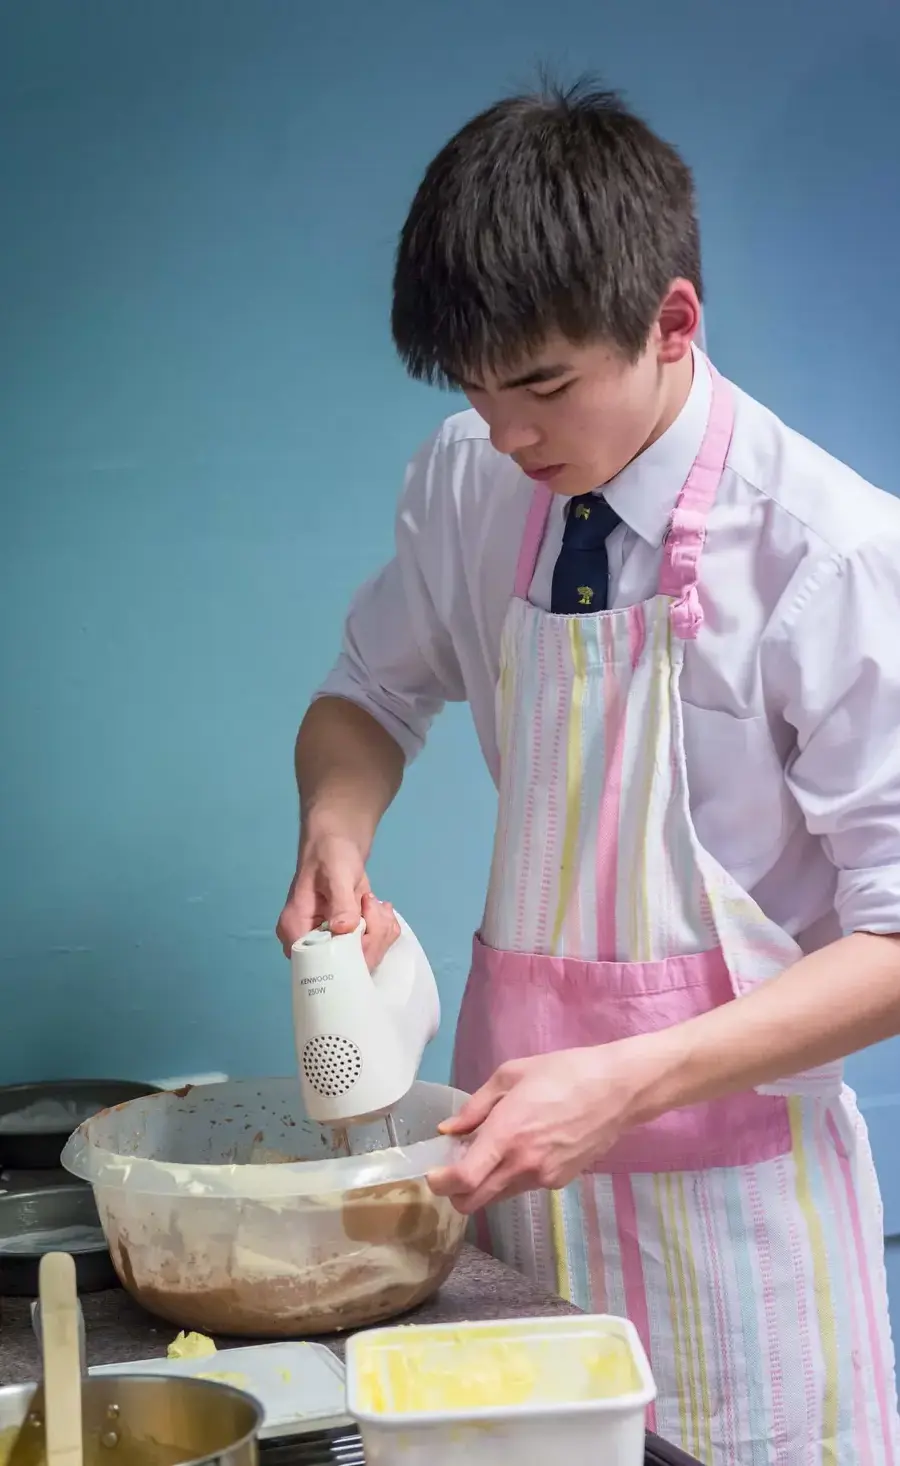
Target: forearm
[(828, 1005), (348, 771)]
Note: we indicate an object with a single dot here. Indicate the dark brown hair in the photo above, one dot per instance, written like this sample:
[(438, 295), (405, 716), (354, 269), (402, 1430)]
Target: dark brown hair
[(556, 212)]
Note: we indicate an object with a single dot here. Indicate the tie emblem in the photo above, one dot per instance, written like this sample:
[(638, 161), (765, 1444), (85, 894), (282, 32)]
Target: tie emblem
[(582, 511), (585, 594)]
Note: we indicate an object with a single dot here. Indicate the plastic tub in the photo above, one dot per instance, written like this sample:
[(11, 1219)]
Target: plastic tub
[(544, 1389), (226, 1209)]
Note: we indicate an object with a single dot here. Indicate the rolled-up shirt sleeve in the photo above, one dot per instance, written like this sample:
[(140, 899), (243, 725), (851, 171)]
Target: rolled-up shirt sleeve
[(834, 661), (397, 660)]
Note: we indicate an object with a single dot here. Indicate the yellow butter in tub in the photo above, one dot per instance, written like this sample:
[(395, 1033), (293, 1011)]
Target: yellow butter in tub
[(457, 1371)]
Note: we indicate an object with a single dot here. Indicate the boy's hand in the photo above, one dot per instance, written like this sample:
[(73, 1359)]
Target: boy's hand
[(331, 886)]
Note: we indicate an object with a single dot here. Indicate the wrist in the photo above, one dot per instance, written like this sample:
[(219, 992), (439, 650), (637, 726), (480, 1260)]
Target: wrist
[(324, 822), (655, 1069)]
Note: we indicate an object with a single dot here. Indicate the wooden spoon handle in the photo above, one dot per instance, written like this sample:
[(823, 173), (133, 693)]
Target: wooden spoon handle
[(62, 1371)]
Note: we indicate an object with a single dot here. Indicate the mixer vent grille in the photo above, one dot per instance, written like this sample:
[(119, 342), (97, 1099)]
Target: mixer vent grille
[(331, 1064)]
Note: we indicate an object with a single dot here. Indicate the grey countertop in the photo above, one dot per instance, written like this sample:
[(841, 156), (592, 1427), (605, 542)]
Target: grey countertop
[(118, 1330)]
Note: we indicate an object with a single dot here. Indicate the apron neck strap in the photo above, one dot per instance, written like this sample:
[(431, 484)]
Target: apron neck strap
[(532, 539), (686, 534)]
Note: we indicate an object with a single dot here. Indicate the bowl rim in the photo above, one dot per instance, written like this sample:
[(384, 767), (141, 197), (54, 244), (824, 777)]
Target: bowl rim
[(320, 1180)]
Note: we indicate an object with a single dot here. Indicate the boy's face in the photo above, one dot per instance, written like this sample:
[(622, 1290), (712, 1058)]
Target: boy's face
[(573, 417)]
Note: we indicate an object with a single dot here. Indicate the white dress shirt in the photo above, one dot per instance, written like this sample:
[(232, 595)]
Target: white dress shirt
[(791, 691)]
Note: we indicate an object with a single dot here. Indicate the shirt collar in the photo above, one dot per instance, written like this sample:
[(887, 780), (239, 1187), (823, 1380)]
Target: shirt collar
[(644, 493)]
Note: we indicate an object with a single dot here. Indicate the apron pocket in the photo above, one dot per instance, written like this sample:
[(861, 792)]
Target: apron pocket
[(517, 1005)]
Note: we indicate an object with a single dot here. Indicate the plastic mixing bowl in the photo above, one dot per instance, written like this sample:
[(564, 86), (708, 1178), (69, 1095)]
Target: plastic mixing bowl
[(228, 1211)]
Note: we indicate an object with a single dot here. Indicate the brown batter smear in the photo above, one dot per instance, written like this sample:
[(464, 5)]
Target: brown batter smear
[(311, 1265), (398, 1211), (272, 1309)]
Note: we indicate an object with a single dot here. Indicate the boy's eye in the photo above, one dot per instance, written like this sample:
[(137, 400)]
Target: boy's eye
[(557, 392)]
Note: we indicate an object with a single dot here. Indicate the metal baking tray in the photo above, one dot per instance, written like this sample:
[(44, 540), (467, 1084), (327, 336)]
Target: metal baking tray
[(58, 1217), (38, 1149)]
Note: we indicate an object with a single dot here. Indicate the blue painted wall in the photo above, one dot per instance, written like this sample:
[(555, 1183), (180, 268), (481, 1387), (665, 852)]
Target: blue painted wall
[(203, 430)]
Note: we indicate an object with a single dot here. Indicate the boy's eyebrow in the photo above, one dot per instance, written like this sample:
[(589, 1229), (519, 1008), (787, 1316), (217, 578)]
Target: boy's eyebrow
[(530, 378)]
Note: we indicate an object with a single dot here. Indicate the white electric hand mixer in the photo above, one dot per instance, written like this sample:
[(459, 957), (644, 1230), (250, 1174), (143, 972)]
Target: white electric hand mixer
[(360, 1036)]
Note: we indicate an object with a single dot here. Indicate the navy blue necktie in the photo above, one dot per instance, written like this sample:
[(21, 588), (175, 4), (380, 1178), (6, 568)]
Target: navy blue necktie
[(581, 574)]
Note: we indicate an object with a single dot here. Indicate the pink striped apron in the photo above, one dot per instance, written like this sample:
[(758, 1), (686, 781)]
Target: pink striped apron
[(743, 1237)]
